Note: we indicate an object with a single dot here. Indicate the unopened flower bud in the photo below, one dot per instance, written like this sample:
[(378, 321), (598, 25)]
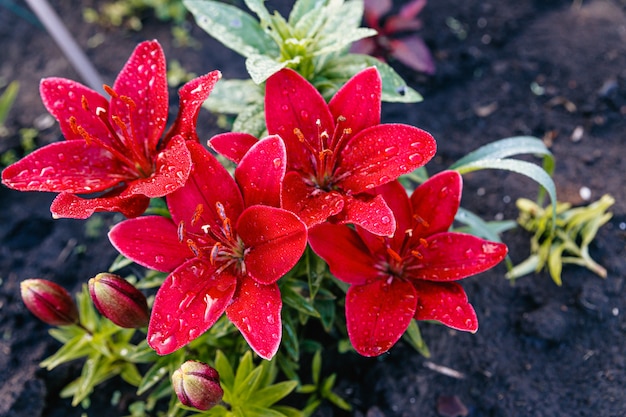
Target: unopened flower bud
[(197, 385), (50, 302), (119, 301)]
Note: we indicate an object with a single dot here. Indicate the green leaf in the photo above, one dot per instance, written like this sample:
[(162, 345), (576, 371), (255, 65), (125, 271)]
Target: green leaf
[(76, 348), (251, 120), (245, 368), (271, 394), (234, 96), (231, 26), (302, 8), (154, 375), (505, 148), (414, 337), (288, 411), (316, 367), (7, 99), (130, 374), (261, 67), (481, 228), (291, 296), (250, 410), (555, 264), (339, 69), (223, 366), (528, 266), (528, 169), (290, 342)]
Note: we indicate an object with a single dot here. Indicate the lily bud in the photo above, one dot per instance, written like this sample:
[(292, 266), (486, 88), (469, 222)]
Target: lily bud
[(50, 302), (197, 385), (119, 301)]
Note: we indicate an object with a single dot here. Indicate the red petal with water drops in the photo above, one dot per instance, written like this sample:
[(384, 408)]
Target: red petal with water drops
[(347, 257), (255, 311), (209, 183), (275, 240), (192, 95), (435, 204), (172, 168), (151, 241), (64, 99), (67, 205), (291, 103), (370, 213), (396, 198), (261, 172), (445, 302), (69, 166), (382, 153), (378, 313), (232, 145), (453, 256), (358, 101), (189, 301), (143, 79), (376, 9), (311, 204)]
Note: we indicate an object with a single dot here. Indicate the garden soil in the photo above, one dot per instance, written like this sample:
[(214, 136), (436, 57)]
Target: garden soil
[(554, 69)]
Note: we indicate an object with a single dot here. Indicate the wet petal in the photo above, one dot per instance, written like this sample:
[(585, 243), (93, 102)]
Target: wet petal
[(68, 166), (172, 168), (382, 153), (143, 79), (311, 204), (255, 311), (396, 198), (435, 204), (345, 253), (151, 241), (370, 213), (192, 95), (67, 205), (261, 171), (445, 302), (209, 183), (275, 240), (413, 52), (378, 313), (232, 145), (291, 103), (453, 256), (64, 99), (359, 101), (190, 301)]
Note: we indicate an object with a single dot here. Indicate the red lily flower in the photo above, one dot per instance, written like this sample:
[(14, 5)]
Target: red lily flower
[(114, 151), (337, 153), (396, 37), (226, 245), (408, 275)]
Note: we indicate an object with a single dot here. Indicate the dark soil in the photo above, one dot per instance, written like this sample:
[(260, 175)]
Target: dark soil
[(504, 68)]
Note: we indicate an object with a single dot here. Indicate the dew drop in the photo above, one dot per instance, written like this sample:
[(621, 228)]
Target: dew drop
[(284, 107), (391, 150), (277, 162), (385, 220), (416, 158)]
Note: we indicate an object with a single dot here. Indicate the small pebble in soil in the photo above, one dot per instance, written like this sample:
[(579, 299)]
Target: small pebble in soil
[(549, 322)]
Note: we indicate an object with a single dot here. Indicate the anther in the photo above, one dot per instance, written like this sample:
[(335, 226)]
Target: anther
[(84, 104), (193, 247), (423, 242), (394, 255), (181, 231), (110, 91), (421, 220), (417, 254), (197, 213)]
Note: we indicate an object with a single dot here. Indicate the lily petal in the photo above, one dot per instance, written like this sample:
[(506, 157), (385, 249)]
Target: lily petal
[(209, 183), (382, 153), (359, 101), (232, 145), (173, 166), (378, 313), (261, 171), (371, 213), (190, 301), (442, 191), (311, 204), (396, 198), (71, 206), (453, 256), (192, 95), (64, 98), (445, 302), (255, 311), (275, 240), (347, 257), (143, 79), (151, 241), (293, 104), (69, 166)]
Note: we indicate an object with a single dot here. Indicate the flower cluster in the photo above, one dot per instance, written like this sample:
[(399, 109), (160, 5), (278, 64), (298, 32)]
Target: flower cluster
[(326, 175)]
